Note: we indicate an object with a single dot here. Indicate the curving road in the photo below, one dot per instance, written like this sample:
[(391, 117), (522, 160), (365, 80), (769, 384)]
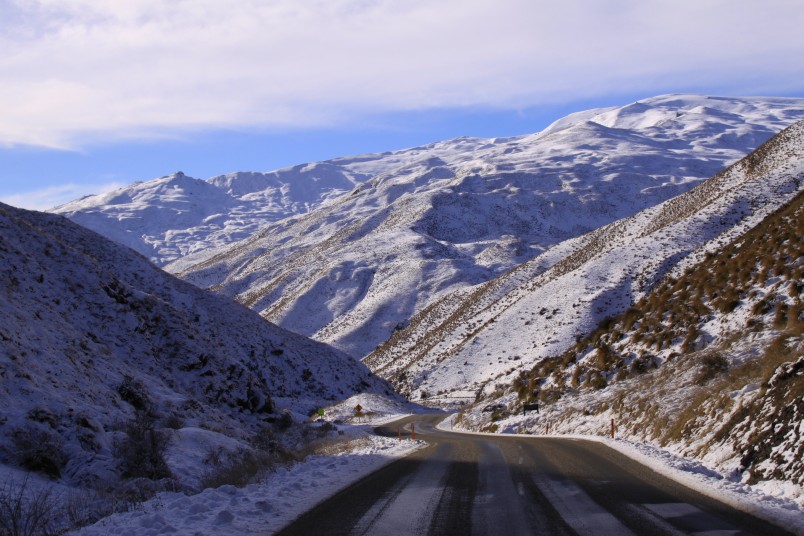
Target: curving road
[(510, 485)]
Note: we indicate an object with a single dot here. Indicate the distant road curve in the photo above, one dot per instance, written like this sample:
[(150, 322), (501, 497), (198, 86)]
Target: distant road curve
[(510, 485)]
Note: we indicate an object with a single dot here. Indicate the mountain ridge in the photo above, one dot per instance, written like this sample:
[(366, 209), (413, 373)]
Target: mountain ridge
[(630, 256), (246, 201), (353, 270)]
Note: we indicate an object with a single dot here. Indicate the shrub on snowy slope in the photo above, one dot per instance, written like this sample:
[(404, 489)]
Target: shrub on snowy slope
[(93, 337), (757, 277)]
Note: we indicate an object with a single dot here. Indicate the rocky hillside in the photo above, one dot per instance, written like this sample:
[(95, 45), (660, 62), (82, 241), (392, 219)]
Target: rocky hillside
[(93, 336), (473, 340), (710, 363), (447, 217)]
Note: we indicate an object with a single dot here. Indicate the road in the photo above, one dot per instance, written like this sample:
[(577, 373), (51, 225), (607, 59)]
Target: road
[(511, 485)]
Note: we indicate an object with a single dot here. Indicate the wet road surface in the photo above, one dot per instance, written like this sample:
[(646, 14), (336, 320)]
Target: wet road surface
[(511, 485)]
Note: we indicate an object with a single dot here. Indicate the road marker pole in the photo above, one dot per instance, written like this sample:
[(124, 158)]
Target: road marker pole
[(612, 428)]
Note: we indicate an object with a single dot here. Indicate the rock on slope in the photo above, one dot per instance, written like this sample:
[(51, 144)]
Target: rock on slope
[(455, 214), (476, 339), (91, 331)]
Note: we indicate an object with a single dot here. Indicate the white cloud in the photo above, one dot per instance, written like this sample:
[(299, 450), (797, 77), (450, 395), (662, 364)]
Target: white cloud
[(47, 198), (73, 70)]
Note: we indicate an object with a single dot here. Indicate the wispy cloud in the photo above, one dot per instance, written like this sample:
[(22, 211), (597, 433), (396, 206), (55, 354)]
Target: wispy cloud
[(47, 198), (74, 70)]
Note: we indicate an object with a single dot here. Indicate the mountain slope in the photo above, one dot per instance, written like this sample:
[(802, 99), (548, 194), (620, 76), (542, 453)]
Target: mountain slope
[(91, 333), (471, 340), (460, 213), (710, 363), (176, 215)]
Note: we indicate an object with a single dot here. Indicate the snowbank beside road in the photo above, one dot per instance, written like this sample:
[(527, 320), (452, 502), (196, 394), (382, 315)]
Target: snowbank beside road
[(262, 508)]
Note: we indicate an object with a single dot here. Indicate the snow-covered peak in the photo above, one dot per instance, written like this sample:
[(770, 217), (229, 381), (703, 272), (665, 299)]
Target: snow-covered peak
[(304, 183), (683, 111)]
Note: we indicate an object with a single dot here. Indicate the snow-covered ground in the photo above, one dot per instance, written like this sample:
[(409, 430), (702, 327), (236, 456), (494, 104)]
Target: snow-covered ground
[(375, 409), (262, 508), (286, 493)]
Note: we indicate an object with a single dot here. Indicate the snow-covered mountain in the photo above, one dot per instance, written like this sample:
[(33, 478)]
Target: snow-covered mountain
[(709, 364), (446, 217), (476, 339), (92, 334), (176, 215)]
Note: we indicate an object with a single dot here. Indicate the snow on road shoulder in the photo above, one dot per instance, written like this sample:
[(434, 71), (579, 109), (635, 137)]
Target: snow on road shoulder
[(375, 409), (262, 508), (762, 500)]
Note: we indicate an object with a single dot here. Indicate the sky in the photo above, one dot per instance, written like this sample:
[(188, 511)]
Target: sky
[(95, 95)]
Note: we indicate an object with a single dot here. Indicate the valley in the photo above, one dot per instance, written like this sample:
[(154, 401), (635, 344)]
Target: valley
[(637, 265)]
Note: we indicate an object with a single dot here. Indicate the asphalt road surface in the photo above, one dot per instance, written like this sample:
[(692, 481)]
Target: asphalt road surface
[(509, 485)]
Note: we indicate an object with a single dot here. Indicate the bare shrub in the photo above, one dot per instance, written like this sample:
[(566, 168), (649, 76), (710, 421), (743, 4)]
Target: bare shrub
[(711, 365), (238, 468), (284, 421), (642, 364), (174, 422), (86, 506), (340, 445), (39, 449), (595, 380), (142, 452), (134, 392), (28, 512)]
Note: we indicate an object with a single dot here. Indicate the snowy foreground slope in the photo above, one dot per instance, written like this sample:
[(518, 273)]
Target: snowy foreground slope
[(472, 340), (425, 221), (97, 344), (709, 364)]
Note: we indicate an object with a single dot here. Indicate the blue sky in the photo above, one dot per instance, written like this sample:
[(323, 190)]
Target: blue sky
[(95, 95)]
